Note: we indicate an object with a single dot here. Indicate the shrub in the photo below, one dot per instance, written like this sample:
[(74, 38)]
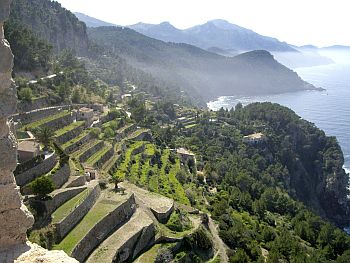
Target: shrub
[(200, 239), (42, 186), (25, 94), (178, 222)]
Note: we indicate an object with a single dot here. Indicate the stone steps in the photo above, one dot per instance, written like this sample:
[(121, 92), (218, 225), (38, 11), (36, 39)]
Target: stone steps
[(127, 242)]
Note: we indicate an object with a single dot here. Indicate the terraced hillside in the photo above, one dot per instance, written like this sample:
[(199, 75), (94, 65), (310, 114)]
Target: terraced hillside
[(85, 215), (153, 168)]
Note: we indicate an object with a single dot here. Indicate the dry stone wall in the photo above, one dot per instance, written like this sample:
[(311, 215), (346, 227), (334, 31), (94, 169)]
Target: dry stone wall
[(61, 176), (77, 144), (62, 228), (105, 158), (86, 155), (31, 116), (103, 228), (69, 135), (59, 122), (44, 167)]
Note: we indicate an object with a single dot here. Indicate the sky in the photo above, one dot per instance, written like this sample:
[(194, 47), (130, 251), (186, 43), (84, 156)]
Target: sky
[(298, 22)]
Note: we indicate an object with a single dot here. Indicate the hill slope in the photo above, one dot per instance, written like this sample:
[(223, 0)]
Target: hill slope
[(194, 69), (215, 33), (51, 22)]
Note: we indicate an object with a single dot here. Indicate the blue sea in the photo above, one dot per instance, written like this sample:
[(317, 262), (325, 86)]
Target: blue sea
[(329, 109)]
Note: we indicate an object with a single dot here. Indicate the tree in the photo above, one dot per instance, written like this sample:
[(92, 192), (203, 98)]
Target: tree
[(42, 186), (117, 178), (25, 94), (108, 132), (45, 136)]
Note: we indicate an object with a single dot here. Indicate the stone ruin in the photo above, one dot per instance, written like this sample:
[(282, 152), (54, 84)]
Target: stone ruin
[(15, 219)]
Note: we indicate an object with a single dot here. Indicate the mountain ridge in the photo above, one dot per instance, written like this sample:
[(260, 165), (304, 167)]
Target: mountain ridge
[(206, 74), (214, 33)]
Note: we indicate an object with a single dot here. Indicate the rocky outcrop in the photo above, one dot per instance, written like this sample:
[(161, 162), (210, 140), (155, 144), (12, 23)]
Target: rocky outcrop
[(15, 219)]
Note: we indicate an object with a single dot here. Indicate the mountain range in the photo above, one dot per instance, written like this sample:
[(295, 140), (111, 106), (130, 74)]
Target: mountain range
[(196, 70), (216, 33), (132, 56)]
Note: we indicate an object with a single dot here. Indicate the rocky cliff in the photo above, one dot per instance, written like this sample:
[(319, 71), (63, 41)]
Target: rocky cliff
[(52, 23), (15, 219)]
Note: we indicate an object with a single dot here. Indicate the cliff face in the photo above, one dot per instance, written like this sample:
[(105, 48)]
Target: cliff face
[(15, 219), (52, 23), (14, 216)]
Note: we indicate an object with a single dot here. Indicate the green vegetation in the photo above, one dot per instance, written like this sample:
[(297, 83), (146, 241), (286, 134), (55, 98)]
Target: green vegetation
[(98, 155), (36, 124), (42, 186), (68, 128), (26, 94), (179, 221), (98, 211), (76, 139), (45, 136), (64, 210), (154, 170)]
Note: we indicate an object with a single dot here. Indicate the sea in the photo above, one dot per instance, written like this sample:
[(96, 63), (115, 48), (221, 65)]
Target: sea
[(328, 109)]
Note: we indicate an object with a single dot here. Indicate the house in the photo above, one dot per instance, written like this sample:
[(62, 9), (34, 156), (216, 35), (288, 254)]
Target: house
[(27, 150), (85, 114), (98, 107), (255, 138)]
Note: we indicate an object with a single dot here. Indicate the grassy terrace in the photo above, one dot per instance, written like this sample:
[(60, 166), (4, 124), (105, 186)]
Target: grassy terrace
[(150, 255), (97, 156), (76, 139), (109, 164), (85, 147), (64, 210), (41, 122), (68, 128), (98, 211)]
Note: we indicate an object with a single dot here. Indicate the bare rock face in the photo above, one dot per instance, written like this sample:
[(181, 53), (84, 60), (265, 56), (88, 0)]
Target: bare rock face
[(15, 219)]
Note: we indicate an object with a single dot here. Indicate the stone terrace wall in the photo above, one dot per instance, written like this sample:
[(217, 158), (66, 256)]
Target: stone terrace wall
[(105, 158), (61, 176), (15, 219), (59, 122), (86, 155), (76, 145), (101, 230), (31, 116), (44, 167), (67, 224), (69, 135), (58, 199)]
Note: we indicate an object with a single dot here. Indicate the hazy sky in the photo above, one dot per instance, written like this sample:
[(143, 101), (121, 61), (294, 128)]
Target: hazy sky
[(300, 22)]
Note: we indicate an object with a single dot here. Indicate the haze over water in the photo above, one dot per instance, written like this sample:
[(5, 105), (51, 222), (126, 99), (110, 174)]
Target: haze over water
[(329, 110)]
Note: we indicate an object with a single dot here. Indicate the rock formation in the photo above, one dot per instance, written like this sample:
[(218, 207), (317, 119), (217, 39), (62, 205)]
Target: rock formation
[(15, 219)]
